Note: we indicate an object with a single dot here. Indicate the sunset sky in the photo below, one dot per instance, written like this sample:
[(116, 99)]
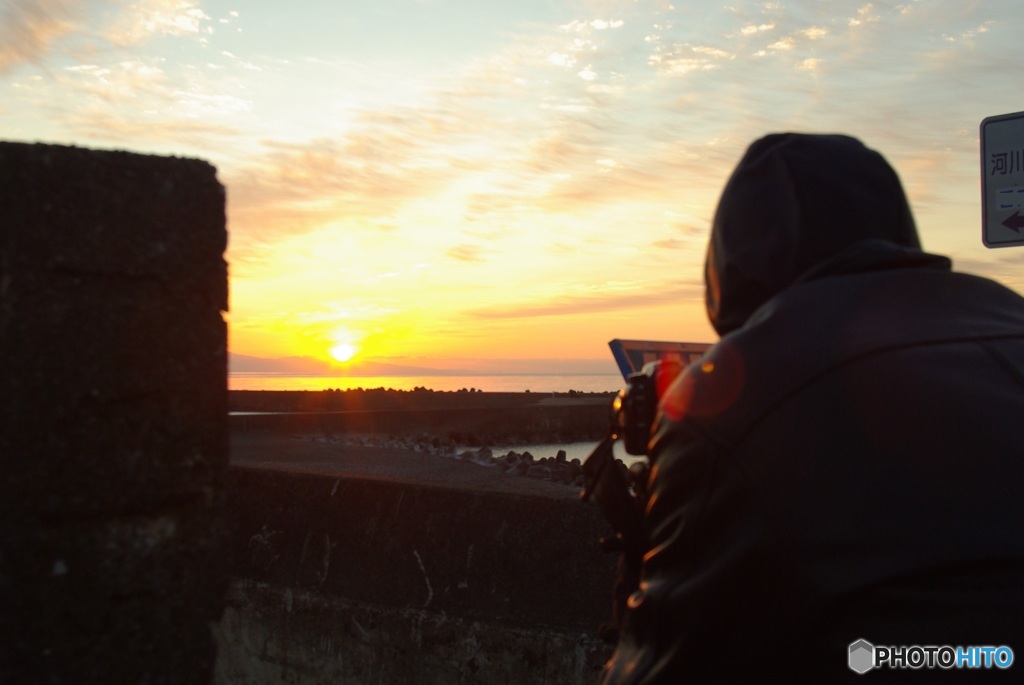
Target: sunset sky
[(449, 182)]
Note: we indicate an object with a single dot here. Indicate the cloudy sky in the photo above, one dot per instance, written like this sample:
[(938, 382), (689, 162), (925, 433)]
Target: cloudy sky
[(435, 180)]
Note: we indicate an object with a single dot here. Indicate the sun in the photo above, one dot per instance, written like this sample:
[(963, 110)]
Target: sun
[(343, 352)]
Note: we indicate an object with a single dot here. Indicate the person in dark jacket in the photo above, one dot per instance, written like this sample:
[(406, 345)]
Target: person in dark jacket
[(845, 467)]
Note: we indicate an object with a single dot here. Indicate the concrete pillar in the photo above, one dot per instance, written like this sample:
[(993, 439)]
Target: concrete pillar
[(113, 435)]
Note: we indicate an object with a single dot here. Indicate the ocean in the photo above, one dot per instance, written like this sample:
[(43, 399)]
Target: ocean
[(492, 383)]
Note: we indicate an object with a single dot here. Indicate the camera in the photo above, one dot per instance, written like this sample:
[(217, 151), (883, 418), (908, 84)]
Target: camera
[(636, 405), (620, 492)]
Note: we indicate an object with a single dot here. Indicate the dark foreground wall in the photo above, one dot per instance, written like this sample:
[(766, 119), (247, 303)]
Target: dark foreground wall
[(356, 580), (113, 439)]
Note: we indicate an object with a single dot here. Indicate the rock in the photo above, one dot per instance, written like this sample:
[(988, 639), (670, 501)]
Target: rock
[(573, 471), (484, 457), (538, 471), (558, 472)]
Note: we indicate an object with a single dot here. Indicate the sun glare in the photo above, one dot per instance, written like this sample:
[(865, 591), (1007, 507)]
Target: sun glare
[(342, 352)]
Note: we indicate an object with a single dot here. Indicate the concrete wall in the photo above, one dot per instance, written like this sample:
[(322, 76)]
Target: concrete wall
[(113, 439), (355, 580)]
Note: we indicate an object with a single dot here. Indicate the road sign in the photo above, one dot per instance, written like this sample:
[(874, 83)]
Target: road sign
[(1002, 180)]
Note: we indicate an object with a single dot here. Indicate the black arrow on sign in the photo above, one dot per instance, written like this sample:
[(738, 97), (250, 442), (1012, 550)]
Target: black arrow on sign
[(1015, 222)]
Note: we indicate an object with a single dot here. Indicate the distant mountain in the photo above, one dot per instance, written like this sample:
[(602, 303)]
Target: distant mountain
[(297, 365), (372, 368), (308, 366)]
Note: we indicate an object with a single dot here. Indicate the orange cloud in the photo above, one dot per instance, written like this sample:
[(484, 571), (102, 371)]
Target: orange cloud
[(28, 29), (597, 302), (467, 253)]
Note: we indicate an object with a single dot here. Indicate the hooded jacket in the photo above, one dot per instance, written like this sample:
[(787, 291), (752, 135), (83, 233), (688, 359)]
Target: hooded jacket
[(845, 468)]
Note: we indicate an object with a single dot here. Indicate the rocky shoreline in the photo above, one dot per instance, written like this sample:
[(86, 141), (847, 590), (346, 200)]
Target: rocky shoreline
[(464, 426), (557, 468), (440, 420), (387, 399)]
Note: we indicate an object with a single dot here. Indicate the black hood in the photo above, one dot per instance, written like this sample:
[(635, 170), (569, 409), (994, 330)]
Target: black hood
[(793, 202)]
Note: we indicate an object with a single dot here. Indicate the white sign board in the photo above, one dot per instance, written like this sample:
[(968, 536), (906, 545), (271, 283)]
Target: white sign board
[(632, 355), (1002, 180)]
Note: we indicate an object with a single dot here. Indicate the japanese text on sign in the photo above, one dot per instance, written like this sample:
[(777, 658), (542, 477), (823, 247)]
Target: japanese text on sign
[(1004, 163)]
